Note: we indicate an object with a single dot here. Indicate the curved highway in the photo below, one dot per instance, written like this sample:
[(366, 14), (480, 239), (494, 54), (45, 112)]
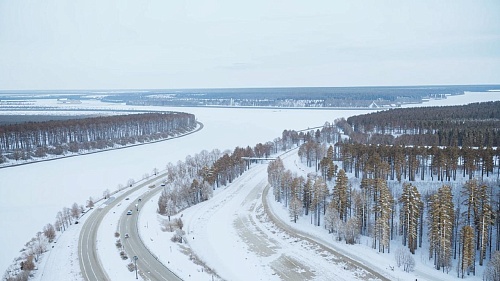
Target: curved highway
[(88, 255), (87, 249), (148, 265), (249, 190)]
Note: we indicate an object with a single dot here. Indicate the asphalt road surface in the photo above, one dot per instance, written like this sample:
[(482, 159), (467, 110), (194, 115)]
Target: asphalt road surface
[(90, 264), (149, 267), (87, 249)]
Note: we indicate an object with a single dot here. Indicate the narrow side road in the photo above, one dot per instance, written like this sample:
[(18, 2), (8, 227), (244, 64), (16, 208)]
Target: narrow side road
[(353, 264)]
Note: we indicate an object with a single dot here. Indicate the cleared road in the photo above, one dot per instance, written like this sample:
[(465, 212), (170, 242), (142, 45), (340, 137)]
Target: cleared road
[(149, 267), (87, 250), (90, 264)]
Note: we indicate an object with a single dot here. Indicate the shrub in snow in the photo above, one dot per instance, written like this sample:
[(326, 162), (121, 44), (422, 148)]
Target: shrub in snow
[(167, 226), (404, 258), (131, 267), (178, 236), (351, 231), (118, 244), (21, 276), (123, 255), (178, 223), (16, 271), (492, 272)]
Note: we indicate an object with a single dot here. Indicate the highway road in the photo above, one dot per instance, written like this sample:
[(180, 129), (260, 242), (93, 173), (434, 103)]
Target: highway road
[(87, 250), (149, 267), (90, 264)]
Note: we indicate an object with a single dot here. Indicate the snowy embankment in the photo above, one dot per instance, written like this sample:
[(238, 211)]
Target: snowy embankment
[(52, 266), (232, 235)]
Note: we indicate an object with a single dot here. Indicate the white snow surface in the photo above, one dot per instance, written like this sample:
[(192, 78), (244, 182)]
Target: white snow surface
[(33, 194)]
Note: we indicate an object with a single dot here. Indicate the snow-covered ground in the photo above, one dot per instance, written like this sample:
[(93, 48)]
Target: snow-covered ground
[(33, 194), (363, 252), (232, 235)]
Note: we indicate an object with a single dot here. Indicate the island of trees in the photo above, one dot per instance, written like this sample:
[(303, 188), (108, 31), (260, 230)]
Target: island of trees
[(26, 141)]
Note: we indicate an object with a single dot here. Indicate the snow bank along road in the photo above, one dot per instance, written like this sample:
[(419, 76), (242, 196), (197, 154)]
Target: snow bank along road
[(87, 250), (232, 234)]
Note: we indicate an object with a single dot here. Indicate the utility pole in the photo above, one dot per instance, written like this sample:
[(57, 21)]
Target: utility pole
[(135, 262)]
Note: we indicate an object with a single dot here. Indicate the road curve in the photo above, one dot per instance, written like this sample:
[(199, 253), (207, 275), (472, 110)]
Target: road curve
[(148, 265), (90, 263)]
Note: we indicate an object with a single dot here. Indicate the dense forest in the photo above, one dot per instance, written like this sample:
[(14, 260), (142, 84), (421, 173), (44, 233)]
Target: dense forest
[(476, 124), (352, 97), (432, 197), (24, 141)]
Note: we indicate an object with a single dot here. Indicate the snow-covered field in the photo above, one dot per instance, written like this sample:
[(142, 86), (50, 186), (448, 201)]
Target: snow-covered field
[(33, 194)]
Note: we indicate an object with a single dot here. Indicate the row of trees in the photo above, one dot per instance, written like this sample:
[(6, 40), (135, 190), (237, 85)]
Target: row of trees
[(396, 162), (37, 139), (33, 249), (193, 181)]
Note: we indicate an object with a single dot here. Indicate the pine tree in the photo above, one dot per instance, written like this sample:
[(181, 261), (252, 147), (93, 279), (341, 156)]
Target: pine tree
[(383, 210), (441, 218), (329, 153), (320, 194), (484, 222), (340, 194), (307, 192), (275, 171), (410, 214), (468, 253), (332, 171), (295, 208), (470, 193), (367, 190), (492, 272)]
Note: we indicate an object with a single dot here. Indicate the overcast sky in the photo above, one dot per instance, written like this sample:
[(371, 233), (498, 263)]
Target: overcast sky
[(124, 44)]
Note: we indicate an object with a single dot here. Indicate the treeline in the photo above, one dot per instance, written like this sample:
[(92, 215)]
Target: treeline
[(193, 181), (305, 96), (38, 139), (476, 124), (398, 162)]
